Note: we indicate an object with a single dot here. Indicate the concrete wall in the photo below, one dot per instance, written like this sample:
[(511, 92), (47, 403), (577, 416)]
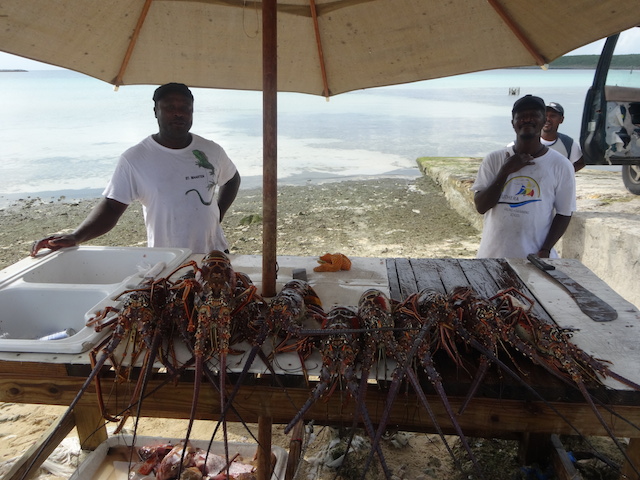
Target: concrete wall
[(609, 244)]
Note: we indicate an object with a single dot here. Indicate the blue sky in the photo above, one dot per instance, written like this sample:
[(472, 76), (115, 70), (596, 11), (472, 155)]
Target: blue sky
[(630, 43)]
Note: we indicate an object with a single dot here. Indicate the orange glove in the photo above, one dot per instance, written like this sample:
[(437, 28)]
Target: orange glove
[(333, 262)]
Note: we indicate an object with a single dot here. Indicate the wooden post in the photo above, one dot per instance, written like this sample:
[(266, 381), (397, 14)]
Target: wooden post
[(533, 448), (270, 146), (90, 425), (264, 447), (633, 451), (295, 449), (562, 465)]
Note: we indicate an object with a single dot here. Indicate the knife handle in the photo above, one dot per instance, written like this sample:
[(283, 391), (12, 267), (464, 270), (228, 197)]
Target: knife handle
[(539, 263)]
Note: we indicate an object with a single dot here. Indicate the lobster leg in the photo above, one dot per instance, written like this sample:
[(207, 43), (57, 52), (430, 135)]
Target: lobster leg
[(361, 410), (434, 378), (577, 383), (494, 358), (397, 376), (105, 354), (483, 368), (425, 403)]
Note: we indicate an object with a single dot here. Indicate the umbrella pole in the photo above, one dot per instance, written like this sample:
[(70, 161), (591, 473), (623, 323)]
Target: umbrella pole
[(270, 146)]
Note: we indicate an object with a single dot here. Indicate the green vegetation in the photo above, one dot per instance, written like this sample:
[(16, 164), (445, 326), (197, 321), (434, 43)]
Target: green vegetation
[(590, 61)]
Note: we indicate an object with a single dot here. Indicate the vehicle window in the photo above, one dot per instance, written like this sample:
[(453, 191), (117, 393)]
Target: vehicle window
[(623, 72)]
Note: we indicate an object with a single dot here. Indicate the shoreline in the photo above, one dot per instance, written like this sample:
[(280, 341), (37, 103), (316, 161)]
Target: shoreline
[(306, 178), (8, 199), (375, 217)]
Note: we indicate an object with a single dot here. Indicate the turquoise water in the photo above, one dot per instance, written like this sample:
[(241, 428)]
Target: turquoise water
[(62, 132)]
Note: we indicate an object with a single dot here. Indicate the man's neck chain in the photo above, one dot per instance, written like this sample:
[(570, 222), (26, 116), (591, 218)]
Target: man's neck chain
[(539, 151), (536, 153)]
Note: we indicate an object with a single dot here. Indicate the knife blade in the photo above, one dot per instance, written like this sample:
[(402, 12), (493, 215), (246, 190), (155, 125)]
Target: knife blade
[(590, 304)]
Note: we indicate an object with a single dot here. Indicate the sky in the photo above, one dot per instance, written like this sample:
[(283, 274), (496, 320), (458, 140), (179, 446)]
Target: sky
[(630, 43)]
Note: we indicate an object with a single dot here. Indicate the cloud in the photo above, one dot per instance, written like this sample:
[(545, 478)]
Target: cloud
[(629, 42)]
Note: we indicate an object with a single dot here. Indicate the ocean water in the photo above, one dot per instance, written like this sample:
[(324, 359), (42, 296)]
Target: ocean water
[(61, 132)]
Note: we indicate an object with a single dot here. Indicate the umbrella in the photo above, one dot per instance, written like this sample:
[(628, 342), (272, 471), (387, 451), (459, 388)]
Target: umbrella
[(324, 47)]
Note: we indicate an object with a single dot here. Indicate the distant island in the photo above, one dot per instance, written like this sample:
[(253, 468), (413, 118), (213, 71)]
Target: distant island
[(619, 62), (5, 70)]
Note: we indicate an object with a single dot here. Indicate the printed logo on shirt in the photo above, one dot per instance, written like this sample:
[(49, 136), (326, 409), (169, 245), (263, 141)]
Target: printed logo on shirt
[(203, 162), (520, 191)]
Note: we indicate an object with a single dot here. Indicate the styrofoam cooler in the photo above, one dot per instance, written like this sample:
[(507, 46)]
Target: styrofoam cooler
[(59, 291), (90, 468)]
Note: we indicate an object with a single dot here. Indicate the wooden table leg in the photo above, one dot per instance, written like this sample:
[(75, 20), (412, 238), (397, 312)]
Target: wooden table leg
[(264, 447), (562, 464), (295, 449), (633, 450), (533, 448), (91, 426)]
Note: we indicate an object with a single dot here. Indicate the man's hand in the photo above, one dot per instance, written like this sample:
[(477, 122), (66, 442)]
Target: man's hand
[(54, 242), (516, 162), (543, 253), (488, 198)]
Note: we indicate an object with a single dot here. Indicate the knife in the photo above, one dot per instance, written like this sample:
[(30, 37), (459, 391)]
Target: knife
[(591, 305)]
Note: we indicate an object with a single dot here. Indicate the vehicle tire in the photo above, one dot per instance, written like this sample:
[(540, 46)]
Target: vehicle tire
[(631, 178)]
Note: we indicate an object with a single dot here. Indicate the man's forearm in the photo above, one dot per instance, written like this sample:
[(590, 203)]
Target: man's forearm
[(559, 226), (100, 220), (227, 194), (488, 198)]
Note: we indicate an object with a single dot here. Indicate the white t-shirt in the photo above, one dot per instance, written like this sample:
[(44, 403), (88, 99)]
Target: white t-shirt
[(558, 146), (519, 223), (177, 188)]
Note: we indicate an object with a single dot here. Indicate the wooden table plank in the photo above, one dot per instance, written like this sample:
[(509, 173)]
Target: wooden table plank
[(451, 274), (394, 284), (484, 416), (426, 273), (506, 277), (479, 277), (406, 278)]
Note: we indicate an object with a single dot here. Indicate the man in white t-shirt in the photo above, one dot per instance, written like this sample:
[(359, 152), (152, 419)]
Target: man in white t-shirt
[(175, 175), (560, 142), (525, 192)]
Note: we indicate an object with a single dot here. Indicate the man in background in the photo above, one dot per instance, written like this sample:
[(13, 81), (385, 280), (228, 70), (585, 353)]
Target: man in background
[(526, 192), (560, 142)]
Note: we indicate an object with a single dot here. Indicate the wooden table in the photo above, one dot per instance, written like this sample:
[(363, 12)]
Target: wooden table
[(502, 407)]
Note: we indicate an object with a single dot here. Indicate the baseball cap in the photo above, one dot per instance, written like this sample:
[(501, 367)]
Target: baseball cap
[(530, 102), (557, 107), (172, 87)]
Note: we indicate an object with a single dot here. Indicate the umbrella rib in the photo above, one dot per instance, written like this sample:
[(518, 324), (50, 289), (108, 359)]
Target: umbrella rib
[(314, 15), (132, 43), (518, 33), (290, 9)]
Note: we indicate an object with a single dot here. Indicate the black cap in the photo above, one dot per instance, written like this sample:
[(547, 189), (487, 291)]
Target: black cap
[(557, 107), (528, 102), (163, 90)]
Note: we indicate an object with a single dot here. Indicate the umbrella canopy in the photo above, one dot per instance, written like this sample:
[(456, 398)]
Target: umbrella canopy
[(325, 47)]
